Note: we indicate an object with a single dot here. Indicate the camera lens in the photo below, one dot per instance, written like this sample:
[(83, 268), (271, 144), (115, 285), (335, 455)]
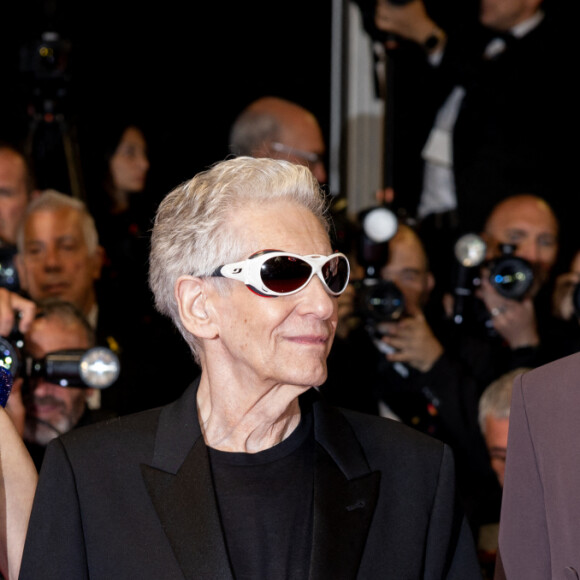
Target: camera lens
[(382, 300), (512, 277), (10, 355)]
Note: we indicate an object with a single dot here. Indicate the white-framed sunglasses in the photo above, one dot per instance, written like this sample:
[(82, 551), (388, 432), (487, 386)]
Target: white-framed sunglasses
[(275, 273)]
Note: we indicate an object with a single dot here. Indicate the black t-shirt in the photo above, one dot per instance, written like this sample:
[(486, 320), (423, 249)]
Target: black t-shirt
[(265, 502)]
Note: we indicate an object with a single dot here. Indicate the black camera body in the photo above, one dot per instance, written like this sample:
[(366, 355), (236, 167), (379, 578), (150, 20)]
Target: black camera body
[(97, 367), (377, 300), (511, 276)]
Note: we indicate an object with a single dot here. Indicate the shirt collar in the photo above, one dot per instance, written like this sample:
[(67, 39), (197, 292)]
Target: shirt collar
[(523, 28)]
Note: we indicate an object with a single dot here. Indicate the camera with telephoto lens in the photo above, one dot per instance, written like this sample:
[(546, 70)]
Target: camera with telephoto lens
[(97, 367), (377, 300), (511, 277)]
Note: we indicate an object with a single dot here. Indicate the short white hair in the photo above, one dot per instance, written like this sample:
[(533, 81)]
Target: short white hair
[(497, 397), (191, 234)]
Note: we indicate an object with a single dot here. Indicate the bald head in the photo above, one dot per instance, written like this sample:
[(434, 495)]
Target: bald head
[(280, 129), (529, 223)]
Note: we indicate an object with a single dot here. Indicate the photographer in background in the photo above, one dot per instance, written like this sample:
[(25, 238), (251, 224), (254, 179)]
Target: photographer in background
[(394, 363), (483, 92), (53, 409), (512, 330)]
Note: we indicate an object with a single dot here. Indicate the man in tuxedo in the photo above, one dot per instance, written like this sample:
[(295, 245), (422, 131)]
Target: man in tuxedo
[(249, 474)]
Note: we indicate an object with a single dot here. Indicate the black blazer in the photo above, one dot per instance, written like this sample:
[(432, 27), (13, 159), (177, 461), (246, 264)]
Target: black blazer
[(132, 498)]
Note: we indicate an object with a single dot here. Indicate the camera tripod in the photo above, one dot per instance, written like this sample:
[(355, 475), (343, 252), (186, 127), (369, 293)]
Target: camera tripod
[(52, 146)]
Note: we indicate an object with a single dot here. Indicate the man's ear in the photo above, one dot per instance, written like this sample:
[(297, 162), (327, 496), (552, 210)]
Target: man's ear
[(192, 299), (98, 261), (430, 282)]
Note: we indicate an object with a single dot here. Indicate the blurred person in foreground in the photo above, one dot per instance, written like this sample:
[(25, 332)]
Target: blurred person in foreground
[(248, 474), (539, 529), (17, 486)]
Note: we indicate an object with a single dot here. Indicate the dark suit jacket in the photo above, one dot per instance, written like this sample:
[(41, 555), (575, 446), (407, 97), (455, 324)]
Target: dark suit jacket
[(133, 498), (539, 533)]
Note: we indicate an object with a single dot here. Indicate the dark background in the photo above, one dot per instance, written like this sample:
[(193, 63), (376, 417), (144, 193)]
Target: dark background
[(186, 68)]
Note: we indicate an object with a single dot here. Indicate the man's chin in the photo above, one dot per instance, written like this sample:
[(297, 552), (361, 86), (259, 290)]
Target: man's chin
[(43, 432)]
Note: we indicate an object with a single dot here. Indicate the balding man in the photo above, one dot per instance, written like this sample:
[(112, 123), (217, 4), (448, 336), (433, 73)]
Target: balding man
[(528, 224), (280, 129)]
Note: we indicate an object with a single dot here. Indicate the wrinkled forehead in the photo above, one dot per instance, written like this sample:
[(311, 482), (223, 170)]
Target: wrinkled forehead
[(50, 334), (53, 221), (528, 217)]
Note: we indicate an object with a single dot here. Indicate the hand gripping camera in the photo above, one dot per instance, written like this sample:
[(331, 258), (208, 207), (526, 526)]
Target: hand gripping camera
[(511, 276)]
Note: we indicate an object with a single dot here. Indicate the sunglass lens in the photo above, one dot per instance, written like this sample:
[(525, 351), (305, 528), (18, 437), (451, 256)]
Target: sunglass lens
[(335, 273), (284, 273)]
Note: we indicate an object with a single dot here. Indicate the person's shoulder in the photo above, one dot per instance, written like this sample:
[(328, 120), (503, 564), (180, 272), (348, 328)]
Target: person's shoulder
[(558, 375), (127, 431), (390, 444), (561, 367), (383, 429)]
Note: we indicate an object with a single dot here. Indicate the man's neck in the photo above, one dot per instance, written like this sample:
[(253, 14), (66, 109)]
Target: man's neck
[(247, 426)]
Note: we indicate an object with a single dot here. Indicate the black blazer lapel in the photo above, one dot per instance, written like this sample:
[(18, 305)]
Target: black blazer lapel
[(345, 497), (180, 485)]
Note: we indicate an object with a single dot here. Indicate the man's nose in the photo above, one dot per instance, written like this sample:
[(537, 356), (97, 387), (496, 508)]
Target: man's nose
[(43, 388), (316, 300), (52, 259), (528, 251), (143, 163)]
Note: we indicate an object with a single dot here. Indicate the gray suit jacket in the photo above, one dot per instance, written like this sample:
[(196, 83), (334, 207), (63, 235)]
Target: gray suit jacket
[(132, 498), (539, 533)]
